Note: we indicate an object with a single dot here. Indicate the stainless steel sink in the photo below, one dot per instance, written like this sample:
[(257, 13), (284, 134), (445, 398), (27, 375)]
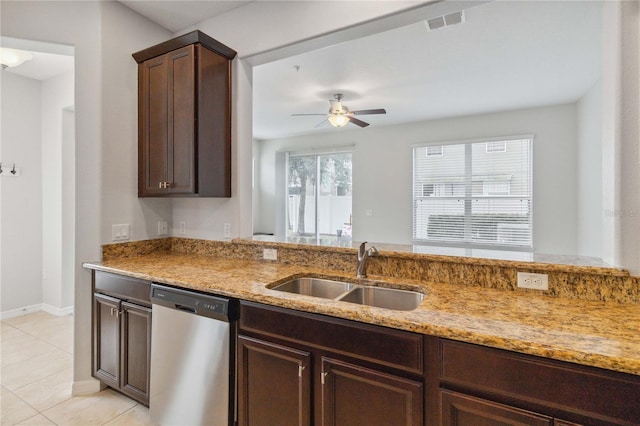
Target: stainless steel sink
[(316, 287), (381, 297), (389, 298)]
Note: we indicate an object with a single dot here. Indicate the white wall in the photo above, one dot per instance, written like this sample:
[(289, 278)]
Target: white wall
[(105, 84), (68, 199), (21, 202), (77, 24), (629, 212), (382, 171), (123, 33), (57, 94), (248, 32), (589, 211)]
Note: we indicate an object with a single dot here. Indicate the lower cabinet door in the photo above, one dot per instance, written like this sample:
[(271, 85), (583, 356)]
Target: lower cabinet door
[(462, 410), (136, 351), (274, 384), (352, 395), (106, 335)]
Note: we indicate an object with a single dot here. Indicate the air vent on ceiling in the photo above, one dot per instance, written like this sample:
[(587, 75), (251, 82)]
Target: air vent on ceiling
[(445, 21)]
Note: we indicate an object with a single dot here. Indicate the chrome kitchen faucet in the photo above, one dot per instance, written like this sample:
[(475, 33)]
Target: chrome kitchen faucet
[(363, 256)]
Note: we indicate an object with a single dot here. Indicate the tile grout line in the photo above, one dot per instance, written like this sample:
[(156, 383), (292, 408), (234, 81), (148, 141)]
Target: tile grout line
[(38, 412)]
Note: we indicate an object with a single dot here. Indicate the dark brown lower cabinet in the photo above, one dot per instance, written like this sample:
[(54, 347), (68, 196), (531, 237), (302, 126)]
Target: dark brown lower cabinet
[(485, 386), (122, 338), (463, 410), (107, 339), (274, 384), (297, 368), (136, 351), (352, 395)]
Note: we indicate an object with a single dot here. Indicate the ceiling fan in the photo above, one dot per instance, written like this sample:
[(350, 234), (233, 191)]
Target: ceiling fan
[(339, 115)]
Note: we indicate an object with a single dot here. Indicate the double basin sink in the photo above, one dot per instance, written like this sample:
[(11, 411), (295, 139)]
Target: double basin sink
[(381, 297)]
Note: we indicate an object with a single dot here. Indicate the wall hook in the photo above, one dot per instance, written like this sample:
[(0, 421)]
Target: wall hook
[(13, 171)]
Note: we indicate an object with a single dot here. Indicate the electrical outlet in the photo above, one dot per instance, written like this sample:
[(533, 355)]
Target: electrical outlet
[(183, 227), (163, 228), (270, 254), (227, 230), (534, 281), (120, 232)]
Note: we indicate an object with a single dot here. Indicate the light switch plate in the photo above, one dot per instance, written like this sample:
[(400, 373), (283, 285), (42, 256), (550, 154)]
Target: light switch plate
[(120, 232), (163, 228)]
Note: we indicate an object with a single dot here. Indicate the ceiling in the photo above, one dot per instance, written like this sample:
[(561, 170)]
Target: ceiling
[(178, 15), (507, 55), (43, 66)]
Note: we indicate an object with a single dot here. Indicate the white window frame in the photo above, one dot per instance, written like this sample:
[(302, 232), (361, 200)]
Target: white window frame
[(469, 197), (435, 151), (496, 146)]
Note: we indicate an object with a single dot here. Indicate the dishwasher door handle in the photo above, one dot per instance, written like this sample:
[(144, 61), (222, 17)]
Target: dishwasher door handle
[(185, 308)]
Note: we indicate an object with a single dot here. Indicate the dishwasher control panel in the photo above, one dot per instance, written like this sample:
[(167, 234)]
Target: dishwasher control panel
[(188, 301)]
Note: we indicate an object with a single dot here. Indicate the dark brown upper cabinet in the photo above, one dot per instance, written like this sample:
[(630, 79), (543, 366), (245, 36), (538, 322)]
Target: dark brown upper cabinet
[(184, 118)]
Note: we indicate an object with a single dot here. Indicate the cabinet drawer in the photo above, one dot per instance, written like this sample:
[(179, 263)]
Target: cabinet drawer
[(608, 396), (462, 410), (394, 348), (122, 287)]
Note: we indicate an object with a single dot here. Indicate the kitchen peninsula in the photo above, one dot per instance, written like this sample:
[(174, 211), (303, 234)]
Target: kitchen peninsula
[(584, 331)]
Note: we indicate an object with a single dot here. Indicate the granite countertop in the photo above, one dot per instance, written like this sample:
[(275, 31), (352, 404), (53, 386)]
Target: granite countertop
[(599, 334)]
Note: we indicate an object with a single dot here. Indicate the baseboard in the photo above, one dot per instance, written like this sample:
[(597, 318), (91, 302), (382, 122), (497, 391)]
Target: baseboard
[(20, 311), (36, 308), (85, 387), (59, 312)]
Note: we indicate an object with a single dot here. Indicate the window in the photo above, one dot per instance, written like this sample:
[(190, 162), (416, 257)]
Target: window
[(435, 151), (497, 146), (479, 194), (319, 207)]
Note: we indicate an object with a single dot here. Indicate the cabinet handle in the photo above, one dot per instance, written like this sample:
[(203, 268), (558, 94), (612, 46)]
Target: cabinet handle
[(300, 370), (323, 376)]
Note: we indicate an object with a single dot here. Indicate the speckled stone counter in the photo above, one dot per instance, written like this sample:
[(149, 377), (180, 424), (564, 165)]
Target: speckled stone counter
[(595, 333)]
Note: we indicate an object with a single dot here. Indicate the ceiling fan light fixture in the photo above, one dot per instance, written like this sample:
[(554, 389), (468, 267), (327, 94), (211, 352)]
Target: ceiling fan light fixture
[(338, 120), (13, 57)]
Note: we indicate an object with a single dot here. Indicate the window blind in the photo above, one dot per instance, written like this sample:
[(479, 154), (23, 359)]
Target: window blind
[(474, 193)]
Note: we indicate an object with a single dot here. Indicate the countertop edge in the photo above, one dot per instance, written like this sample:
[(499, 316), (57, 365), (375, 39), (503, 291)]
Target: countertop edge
[(376, 316)]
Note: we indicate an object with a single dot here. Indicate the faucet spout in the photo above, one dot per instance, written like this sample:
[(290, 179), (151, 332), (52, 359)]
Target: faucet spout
[(363, 256)]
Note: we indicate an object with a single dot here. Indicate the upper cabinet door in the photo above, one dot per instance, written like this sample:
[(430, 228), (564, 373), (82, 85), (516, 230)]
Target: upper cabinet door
[(181, 98), (153, 122)]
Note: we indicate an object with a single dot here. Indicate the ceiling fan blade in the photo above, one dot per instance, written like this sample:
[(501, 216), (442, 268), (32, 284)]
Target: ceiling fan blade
[(321, 124), (358, 122), (294, 115), (369, 111)]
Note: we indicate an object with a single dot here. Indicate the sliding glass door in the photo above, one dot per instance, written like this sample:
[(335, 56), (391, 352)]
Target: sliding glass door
[(319, 192)]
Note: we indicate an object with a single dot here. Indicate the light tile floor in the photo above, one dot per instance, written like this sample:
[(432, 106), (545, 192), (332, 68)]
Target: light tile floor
[(36, 374)]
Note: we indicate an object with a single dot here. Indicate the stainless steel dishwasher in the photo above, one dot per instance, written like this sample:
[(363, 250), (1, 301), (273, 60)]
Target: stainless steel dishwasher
[(192, 358)]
